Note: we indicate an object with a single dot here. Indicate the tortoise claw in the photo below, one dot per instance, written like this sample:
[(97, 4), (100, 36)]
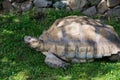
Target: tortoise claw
[(65, 65)]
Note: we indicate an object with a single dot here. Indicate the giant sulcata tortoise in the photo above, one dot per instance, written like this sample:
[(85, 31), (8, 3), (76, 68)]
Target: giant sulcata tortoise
[(76, 39)]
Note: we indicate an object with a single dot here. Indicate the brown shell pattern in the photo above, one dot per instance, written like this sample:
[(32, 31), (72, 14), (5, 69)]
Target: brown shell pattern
[(81, 37)]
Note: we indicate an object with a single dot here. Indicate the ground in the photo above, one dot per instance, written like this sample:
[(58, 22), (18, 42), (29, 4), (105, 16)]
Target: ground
[(20, 62)]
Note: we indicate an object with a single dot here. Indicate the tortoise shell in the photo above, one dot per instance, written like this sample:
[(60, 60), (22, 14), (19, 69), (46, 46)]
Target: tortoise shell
[(81, 37)]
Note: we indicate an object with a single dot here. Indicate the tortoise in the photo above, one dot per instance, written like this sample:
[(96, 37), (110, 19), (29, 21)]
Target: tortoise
[(76, 39)]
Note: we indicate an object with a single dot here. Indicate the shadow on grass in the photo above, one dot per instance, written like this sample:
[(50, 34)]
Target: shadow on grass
[(30, 66)]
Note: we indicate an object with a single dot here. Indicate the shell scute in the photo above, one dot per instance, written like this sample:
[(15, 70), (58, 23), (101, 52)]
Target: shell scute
[(81, 37)]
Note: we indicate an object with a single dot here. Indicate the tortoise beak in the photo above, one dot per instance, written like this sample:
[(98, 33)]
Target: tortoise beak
[(27, 39)]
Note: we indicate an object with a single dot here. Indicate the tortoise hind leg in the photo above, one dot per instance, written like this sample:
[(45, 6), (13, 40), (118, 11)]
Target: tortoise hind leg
[(115, 57), (54, 62)]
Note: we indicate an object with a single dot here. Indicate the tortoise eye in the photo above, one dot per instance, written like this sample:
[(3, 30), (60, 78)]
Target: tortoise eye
[(29, 38)]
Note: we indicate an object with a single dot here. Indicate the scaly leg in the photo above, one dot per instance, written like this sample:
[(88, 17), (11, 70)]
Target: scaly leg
[(55, 62)]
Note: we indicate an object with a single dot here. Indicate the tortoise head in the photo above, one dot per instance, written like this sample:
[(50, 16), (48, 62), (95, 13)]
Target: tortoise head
[(34, 42)]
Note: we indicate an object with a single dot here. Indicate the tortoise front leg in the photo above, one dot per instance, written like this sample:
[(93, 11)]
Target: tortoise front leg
[(54, 62)]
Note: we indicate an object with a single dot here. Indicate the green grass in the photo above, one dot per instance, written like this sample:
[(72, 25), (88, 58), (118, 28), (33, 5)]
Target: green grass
[(19, 62)]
